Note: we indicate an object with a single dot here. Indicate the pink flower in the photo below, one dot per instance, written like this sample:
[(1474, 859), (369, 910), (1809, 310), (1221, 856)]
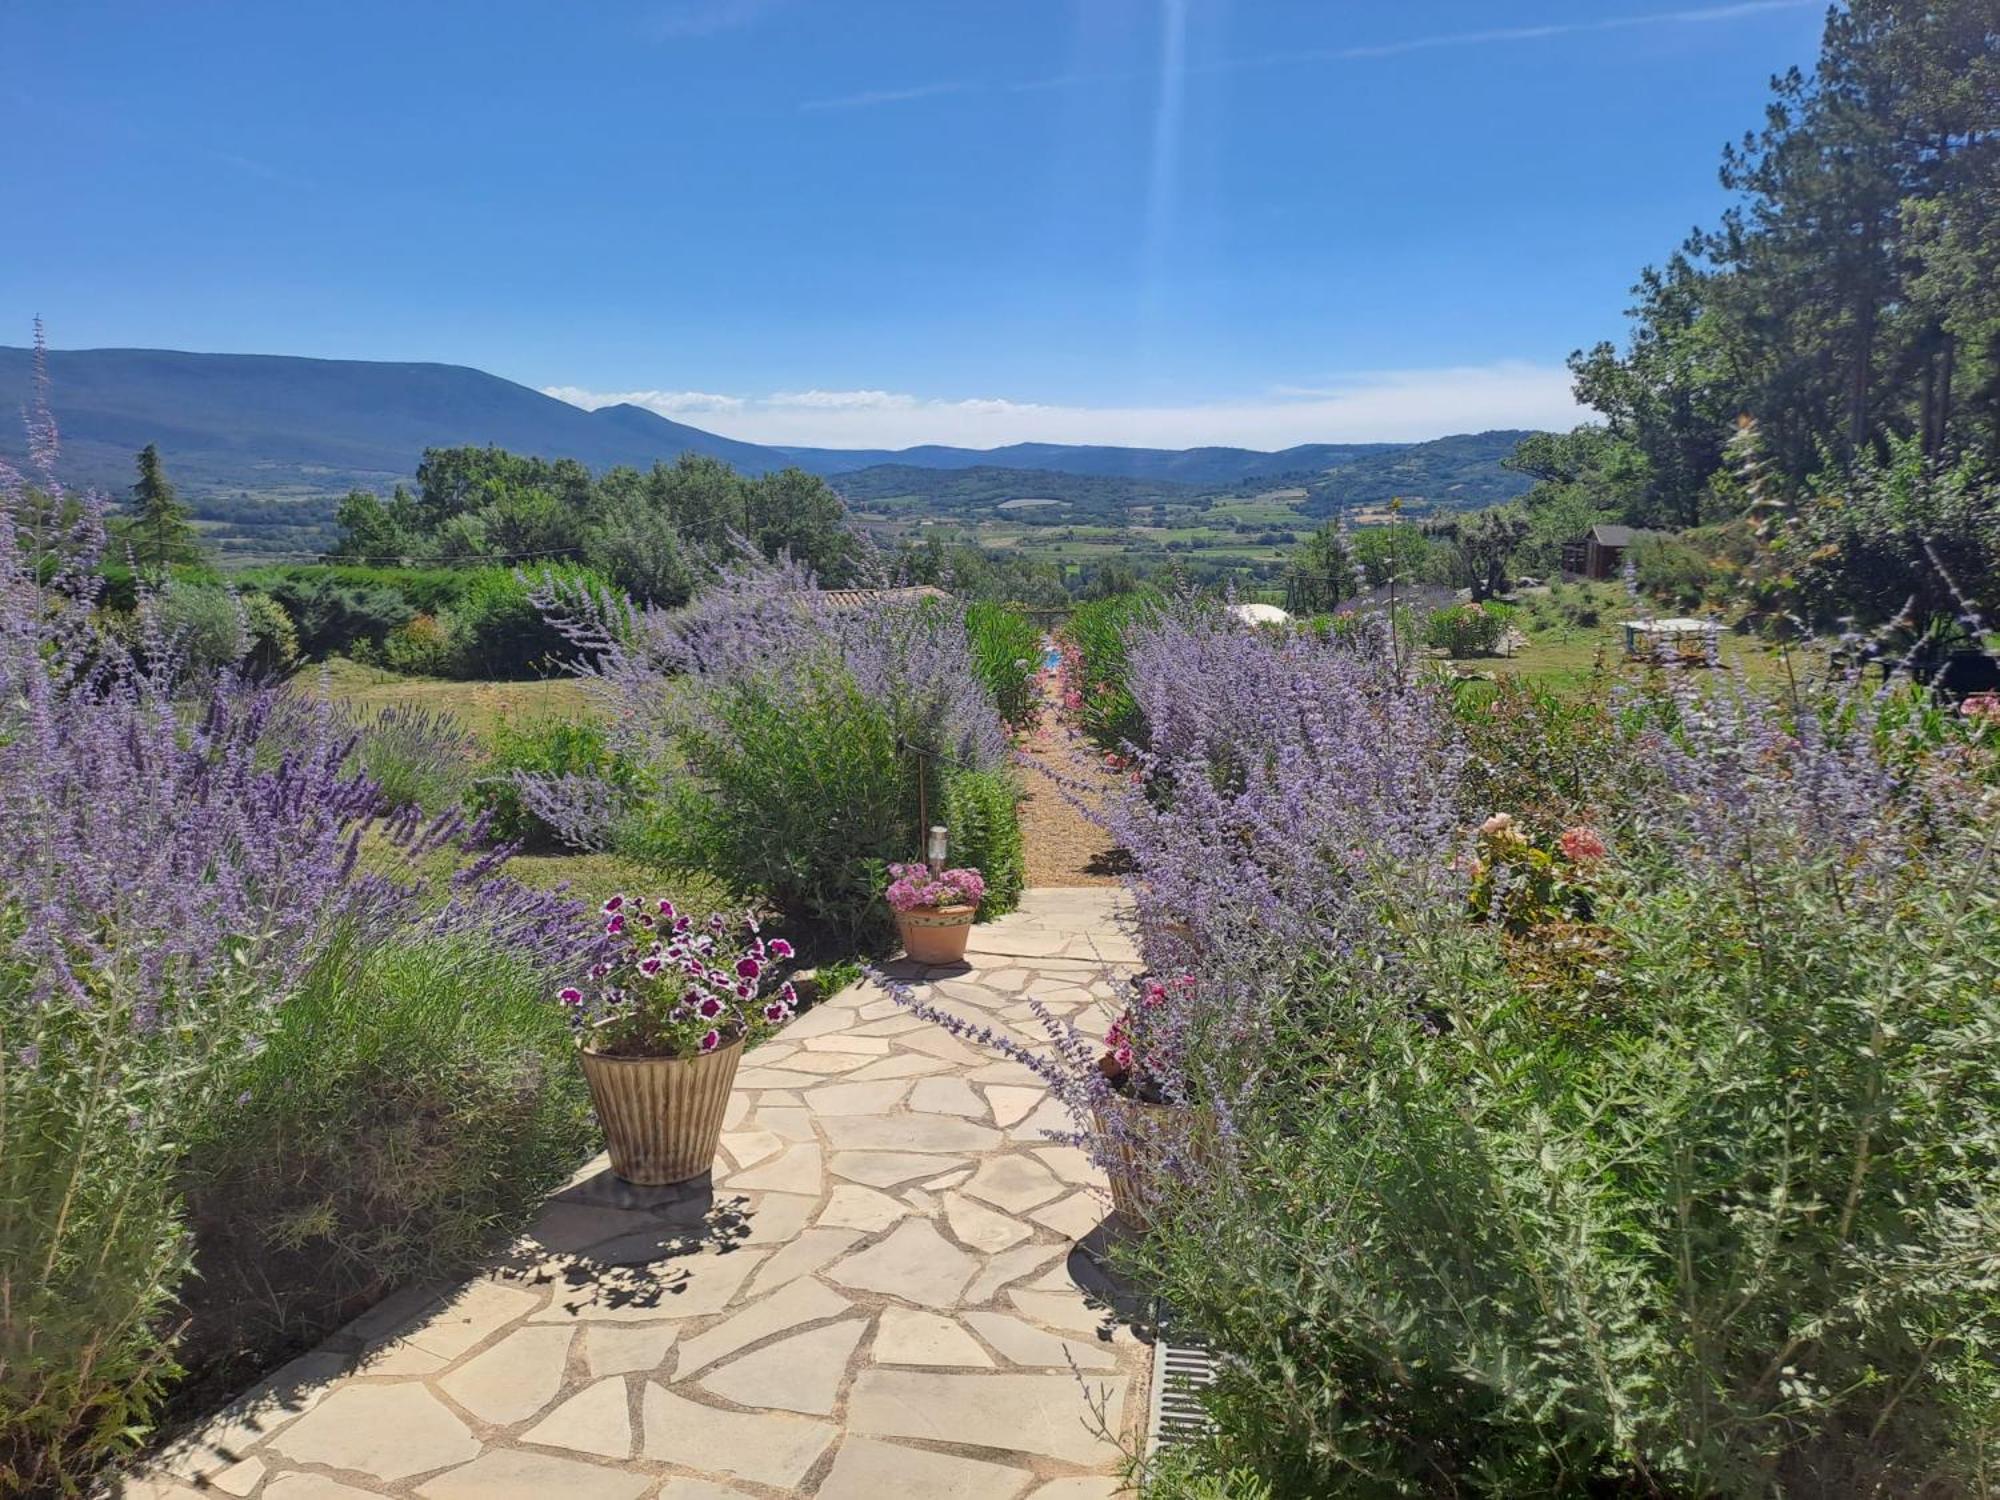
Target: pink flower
[(776, 1012), (667, 908), (709, 1008), (616, 903), (1982, 706), (570, 995), (748, 968), (615, 926), (780, 948), (710, 1042), (650, 967), (1581, 845)]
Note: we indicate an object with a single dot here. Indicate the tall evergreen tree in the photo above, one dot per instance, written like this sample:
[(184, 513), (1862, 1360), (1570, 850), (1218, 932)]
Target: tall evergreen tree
[(158, 528)]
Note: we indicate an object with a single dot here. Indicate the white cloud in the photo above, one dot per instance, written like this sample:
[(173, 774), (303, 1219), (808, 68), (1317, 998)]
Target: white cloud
[(1381, 406), (666, 403), (842, 400)]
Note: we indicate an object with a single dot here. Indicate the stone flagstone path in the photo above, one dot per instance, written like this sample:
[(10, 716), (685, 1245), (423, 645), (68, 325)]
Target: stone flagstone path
[(881, 1293)]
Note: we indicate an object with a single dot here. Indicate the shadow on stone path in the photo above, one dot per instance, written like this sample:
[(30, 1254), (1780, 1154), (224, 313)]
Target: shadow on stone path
[(889, 1288)]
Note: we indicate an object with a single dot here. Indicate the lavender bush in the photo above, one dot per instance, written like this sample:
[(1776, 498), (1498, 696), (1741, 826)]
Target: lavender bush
[(169, 870), (794, 740)]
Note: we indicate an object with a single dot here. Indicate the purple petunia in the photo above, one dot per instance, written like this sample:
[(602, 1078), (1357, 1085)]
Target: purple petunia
[(748, 968), (779, 948), (570, 995), (711, 1041), (615, 904)]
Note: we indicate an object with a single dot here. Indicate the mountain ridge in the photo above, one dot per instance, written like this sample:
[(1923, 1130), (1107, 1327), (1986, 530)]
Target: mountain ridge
[(280, 424)]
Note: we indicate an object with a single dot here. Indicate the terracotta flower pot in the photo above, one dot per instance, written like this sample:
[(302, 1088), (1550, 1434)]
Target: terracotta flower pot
[(662, 1116), (936, 934)]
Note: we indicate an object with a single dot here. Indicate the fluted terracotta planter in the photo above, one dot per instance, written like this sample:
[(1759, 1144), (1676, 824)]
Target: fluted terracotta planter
[(1169, 1125), (936, 934), (662, 1116)]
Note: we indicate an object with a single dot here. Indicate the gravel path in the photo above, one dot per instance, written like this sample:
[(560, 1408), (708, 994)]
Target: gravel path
[(1063, 847)]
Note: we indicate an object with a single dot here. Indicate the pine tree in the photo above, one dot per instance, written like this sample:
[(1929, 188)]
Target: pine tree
[(158, 528)]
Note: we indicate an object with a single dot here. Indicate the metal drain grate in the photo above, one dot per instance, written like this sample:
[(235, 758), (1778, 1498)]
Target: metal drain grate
[(1180, 1371)]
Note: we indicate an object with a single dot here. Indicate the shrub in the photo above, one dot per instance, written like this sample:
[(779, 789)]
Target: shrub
[(500, 629), (412, 1102), (1723, 1230), (800, 747), (333, 614), (1669, 569), (171, 863), (1095, 687), (1548, 757), (1006, 653), (796, 794), (424, 645), (550, 749), (1467, 629), (416, 758), (981, 815), (274, 640)]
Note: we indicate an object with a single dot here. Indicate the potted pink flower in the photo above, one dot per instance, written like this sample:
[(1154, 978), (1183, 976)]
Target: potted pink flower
[(934, 910), (662, 1024), (1136, 1121)]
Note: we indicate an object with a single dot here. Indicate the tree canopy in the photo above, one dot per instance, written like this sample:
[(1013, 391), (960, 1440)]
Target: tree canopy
[(651, 533)]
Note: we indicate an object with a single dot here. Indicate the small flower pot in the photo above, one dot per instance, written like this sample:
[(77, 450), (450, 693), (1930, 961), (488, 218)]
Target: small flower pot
[(662, 1116), (936, 934)]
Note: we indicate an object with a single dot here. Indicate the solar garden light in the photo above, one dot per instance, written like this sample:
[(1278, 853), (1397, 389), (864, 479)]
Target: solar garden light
[(934, 848)]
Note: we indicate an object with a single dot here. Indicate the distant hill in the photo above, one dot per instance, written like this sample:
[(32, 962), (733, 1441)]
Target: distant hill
[(270, 424), (247, 433)]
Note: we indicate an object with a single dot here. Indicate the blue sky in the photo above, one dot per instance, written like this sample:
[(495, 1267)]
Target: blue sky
[(853, 223)]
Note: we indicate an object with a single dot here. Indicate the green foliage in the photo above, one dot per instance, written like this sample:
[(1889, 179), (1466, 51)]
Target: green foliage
[(548, 746), (274, 639), (650, 533), (1846, 300), (1551, 759), (413, 1104), (158, 530), (1181, 1474), (1670, 569), (1467, 629), (980, 813), (1892, 538), (1006, 653), (797, 797), (92, 1246), (1097, 632), (501, 632), (1735, 1242), (335, 610), (425, 645), (415, 758)]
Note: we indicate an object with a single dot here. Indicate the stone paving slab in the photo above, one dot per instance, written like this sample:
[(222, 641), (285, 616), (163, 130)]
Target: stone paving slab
[(888, 1287)]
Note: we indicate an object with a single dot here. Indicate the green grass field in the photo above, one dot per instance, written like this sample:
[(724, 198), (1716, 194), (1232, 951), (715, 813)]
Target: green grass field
[(478, 707)]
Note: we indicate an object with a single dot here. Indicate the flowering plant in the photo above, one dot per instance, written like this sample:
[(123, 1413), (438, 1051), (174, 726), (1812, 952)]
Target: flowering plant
[(671, 987), (915, 888), (1522, 886), (1141, 1052)]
